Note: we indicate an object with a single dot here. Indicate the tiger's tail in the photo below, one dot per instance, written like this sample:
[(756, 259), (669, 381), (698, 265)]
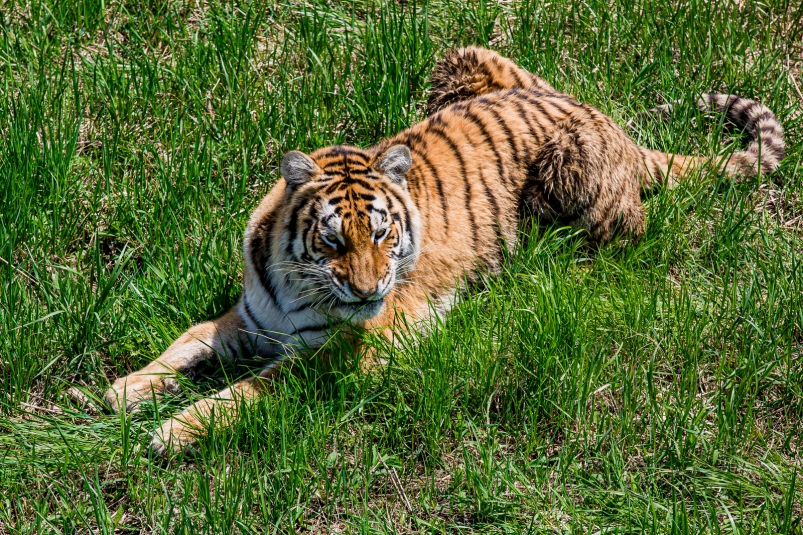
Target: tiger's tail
[(763, 154)]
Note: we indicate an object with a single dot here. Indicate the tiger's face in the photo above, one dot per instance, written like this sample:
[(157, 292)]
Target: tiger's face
[(353, 229)]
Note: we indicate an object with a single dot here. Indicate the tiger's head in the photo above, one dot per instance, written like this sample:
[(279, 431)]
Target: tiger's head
[(352, 228)]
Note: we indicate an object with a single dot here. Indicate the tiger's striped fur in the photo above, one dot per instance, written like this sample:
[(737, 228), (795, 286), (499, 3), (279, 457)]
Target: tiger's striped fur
[(371, 236), (465, 73)]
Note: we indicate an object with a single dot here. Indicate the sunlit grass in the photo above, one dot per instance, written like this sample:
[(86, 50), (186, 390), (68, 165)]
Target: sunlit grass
[(647, 386)]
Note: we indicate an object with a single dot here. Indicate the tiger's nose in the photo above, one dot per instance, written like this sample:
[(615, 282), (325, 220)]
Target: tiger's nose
[(361, 293)]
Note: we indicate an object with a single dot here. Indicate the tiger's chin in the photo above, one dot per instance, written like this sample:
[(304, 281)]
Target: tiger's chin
[(357, 312)]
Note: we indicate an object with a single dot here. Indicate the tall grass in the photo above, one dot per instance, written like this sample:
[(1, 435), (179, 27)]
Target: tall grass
[(650, 386)]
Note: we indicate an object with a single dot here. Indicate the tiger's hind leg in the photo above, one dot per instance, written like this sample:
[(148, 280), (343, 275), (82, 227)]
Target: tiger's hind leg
[(224, 336), (466, 73), (587, 174)]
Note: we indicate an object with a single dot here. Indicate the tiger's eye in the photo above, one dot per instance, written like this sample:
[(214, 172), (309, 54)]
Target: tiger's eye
[(331, 239)]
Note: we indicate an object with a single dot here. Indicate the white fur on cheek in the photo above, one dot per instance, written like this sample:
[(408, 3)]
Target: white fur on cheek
[(333, 221), (377, 219), (389, 281)]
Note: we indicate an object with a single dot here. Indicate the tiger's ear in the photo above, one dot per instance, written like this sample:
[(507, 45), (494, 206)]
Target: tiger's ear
[(395, 162), (297, 168)]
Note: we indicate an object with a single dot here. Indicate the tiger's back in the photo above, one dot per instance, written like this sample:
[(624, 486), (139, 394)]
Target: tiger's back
[(498, 157)]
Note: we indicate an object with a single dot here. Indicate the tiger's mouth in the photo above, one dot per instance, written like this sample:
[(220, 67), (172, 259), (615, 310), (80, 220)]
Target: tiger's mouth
[(362, 309)]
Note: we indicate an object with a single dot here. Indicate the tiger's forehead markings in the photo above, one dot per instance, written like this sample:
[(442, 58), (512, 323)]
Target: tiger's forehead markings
[(342, 161), (344, 167), (342, 151)]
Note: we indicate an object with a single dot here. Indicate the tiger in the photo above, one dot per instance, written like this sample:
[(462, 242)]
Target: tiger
[(384, 238)]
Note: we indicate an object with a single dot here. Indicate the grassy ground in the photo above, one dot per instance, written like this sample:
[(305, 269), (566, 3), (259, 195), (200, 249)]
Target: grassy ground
[(649, 387)]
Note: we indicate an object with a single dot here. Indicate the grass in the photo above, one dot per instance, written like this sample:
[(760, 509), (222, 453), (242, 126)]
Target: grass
[(645, 387)]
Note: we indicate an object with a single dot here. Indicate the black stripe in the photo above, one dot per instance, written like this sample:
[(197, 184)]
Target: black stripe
[(309, 223), (261, 254), (765, 115), (405, 138), (541, 111), (233, 353), (407, 224), (485, 100), (560, 108), (530, 130), (356, 156), (292, 225), (741, 115), (250, 314), (361, 159), (438, 183), (537, 98), (414, 187), (343, 151), (349, 181), (467, 186), (488, 193), (491, 197), (509, 133), (518, 78), (769, 146), (771, 143), (416, 172), (484, 131), (299, 307), (380, 211), (771, 130), (305, 234), (311, 328)]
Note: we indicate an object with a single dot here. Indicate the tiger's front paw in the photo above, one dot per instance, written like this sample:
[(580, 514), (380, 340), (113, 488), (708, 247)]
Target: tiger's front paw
[(131, 390), (174, 436)]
